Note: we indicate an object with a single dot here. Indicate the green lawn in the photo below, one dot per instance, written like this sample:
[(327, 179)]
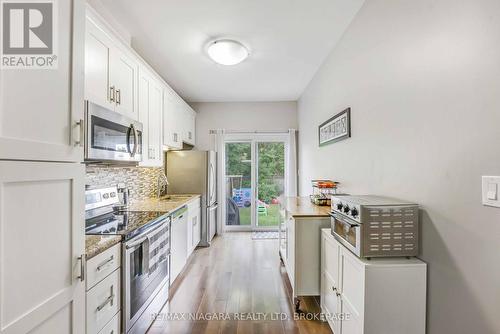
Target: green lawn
[(272, 218)]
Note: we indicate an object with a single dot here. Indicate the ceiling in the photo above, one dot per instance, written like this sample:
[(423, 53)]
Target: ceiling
[(288, 41)]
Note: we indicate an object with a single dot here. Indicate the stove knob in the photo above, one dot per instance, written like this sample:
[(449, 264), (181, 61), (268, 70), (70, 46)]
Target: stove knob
[(339, 206), (346, 209), (354, 212)]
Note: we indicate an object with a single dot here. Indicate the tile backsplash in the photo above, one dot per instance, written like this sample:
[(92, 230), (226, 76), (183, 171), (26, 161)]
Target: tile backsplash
[(141, 181)]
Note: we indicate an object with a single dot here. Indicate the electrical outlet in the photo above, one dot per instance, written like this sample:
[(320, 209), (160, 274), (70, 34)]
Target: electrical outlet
[(491, 189)]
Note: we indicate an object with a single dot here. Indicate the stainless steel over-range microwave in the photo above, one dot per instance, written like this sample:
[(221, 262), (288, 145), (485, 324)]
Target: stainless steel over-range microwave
[(111, 136)]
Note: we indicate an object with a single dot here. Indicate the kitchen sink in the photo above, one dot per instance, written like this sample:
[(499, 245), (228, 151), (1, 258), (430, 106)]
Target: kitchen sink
[(175, 197)]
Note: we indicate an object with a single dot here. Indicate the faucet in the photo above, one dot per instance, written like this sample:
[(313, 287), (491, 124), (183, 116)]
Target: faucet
[(162, 183)]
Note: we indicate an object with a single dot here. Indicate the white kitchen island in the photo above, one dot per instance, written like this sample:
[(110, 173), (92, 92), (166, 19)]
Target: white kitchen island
[(300, 244)]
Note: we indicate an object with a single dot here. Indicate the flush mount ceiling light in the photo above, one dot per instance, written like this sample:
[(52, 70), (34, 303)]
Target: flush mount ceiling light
[(227, 52)]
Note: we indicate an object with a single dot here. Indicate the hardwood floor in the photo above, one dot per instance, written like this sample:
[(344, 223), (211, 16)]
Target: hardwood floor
[(241, 284)]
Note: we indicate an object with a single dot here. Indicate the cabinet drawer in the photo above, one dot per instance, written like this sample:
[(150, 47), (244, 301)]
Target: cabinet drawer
[(112, 327), (102, 265), (103, 302)]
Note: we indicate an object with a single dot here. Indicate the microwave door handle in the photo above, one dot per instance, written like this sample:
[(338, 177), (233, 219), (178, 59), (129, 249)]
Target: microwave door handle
[(136, 139), (131, 130)]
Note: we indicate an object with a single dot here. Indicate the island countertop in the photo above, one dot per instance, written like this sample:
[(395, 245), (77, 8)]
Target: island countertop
[(302, 207)]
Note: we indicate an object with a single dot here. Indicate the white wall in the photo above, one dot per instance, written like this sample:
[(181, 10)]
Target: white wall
[(242, 116), (423, 81)]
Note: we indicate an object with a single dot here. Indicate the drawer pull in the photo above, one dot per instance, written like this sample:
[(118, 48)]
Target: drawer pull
[(102, 265), (108, 300)]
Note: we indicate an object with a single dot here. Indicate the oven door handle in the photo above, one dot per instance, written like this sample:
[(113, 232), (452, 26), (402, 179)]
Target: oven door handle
[(136, 243), (343, 220), (147, 236)]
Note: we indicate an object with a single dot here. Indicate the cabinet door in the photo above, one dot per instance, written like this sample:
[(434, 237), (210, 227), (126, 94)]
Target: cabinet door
[(352, 283), (190, 234), (40, 109), (42, 236), (290, 242), (123, 77), (188, 125), (98, 49), (196, 225), (143, 93), (171, 135), (155, 123)]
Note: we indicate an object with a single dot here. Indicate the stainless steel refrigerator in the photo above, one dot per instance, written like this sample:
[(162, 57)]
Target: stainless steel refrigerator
[(195, 172)]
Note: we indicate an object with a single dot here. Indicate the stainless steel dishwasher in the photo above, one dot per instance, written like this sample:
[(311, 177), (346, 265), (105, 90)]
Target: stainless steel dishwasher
[(178, 242)]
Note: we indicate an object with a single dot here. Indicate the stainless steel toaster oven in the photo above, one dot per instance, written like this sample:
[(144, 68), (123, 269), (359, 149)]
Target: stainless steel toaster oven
[(375, 226)]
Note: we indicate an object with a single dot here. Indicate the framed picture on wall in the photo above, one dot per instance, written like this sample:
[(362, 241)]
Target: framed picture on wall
[(336, 128)]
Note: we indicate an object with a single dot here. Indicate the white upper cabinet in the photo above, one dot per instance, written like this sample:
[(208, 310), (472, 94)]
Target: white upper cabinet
[(172, 130), (118, 79), (150, 97), (110, 72), (41, 109), (123, 81), (97, 55), (188, 123)]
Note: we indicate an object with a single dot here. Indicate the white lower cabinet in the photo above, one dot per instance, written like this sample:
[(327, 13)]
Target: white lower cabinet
[(377, 296), (194, 225), (113, 327), (42, 244), (104, 292)]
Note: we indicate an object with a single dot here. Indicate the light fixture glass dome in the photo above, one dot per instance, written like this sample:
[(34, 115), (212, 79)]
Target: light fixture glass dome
[(227, 52)]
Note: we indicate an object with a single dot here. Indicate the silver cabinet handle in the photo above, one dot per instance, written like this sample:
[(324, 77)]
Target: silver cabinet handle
[(108, 300), (81, 258), (102, 265), (112, 93), (336, 291), (118, 97), (81, 133), (190, 135)]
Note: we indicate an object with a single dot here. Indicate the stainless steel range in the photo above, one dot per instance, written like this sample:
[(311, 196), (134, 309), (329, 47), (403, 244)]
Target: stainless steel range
[(375, 226), (145, 255)]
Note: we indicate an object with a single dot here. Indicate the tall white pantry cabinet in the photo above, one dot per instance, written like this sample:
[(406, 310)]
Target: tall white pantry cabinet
[(42, 188)]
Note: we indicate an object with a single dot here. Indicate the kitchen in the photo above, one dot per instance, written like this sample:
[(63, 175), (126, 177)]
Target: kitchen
[(159, 162)]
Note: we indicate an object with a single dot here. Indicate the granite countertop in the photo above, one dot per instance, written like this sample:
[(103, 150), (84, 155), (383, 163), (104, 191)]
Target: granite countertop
[(302, 207), (96, 244), (142, 212), (163, 204)]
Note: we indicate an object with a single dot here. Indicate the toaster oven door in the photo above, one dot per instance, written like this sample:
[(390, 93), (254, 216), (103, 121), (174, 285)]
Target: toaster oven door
[(347, 232)]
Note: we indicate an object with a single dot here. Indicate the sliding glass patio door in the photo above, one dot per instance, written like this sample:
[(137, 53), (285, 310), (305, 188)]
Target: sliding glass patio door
[(254, 181)]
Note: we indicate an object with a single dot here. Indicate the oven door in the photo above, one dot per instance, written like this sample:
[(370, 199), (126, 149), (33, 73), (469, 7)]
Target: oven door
[(110, 136), (347, 232), (147, 270)]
